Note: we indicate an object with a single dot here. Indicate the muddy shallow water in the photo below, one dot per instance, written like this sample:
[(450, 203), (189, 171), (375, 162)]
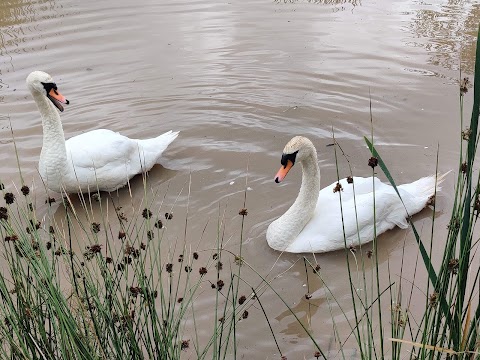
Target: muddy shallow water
[(238, 80)]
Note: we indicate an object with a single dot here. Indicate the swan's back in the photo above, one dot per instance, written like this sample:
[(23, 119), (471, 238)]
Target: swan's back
[(108, 159), (326, 231)]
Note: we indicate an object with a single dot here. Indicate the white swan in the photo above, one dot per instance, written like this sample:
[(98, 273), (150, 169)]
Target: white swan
[(314, 222), (99, 159)]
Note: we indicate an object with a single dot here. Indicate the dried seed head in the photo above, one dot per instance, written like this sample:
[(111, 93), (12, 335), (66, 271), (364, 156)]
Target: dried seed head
[(95, 249), (243, 212), (50, 200), (30, 207), (169, 268), (202, 270), (95, 227), (11, 238), (25, 190), (9, 198), (180, 258), (158, 224), (433, 301), (122, 217), (108, 260), (215, 256), (146, 213), (121, 235), (150, 235), (220, 285), (168, 216), (369, 254), (3, 213), (308, 296), (317, 354), (238, 260), (466, 134), (245, 314), (135, 290), (242, 299), (35, 245), (352, 249), (51, 230), (317, 268), (179, 300), (372, 162), (195, 256), (350, 180), (464, 167), (338, 188), (92, 250), (219, 265), (35, 225), (185, 344), (188, 269), (464, 86), (143, 246), (128, 249), (453, 266)]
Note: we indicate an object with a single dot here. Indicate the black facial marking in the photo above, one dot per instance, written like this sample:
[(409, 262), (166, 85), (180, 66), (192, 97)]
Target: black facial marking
[(50, 86), (286, 157)]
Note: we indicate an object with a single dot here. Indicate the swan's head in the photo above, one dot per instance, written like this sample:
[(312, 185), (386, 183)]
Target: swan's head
[(40, 82), (296, 150)]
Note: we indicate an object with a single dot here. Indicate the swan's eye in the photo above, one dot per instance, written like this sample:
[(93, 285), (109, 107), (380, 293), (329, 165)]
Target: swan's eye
[(50, 86), (286, 157)]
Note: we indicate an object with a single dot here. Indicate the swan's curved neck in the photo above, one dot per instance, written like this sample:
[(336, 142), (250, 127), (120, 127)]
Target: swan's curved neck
[(53, 158), (309, 190), (287, 227)]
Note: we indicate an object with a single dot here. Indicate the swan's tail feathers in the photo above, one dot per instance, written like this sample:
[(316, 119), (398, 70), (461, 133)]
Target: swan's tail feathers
[(420, 193), (157, 145)]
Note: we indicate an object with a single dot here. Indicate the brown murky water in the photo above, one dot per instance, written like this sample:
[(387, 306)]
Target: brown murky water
[(238, 80)]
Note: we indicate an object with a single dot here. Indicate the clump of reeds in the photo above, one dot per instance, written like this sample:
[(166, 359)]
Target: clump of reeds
[(124, 294)]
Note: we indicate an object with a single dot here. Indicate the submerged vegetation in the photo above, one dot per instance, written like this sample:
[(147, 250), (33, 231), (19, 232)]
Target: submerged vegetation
[(128, 295)]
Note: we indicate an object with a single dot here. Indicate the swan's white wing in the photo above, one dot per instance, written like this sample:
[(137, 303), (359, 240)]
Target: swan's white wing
[(101, 158), (325, 231), (360, 184), (101, 148)]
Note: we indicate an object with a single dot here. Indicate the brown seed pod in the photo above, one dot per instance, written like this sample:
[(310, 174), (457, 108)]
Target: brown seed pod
[(372, 162)]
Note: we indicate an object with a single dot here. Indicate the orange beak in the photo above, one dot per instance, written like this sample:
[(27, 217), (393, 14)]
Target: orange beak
[(57, 99), (283, 171)]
